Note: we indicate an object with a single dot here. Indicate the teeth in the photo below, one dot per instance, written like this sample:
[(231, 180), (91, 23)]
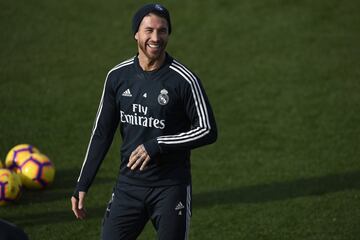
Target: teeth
[(154, 45)]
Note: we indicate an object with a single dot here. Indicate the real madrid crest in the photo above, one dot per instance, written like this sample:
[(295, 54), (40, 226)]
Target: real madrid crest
[(163, 97)]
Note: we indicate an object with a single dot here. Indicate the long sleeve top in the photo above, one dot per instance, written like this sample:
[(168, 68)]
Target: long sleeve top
[(166, 110)]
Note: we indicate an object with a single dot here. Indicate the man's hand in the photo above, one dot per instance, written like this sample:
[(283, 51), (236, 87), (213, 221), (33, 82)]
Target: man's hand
[(139, 157), (78, 206)]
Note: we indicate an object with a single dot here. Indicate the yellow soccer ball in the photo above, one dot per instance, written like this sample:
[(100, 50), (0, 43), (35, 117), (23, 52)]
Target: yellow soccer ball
[(36, 171), (10, 186), (19, 151)]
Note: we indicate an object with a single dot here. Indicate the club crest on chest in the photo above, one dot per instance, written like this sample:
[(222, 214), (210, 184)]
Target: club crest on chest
[(163, 97)]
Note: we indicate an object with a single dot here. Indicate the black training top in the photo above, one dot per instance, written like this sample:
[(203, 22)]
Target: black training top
[(167, 110)]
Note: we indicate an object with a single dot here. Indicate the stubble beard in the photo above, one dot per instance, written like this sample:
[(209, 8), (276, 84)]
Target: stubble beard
[(151, 56)]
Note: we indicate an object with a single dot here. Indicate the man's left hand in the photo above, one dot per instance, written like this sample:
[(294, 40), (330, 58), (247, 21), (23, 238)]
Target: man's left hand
[(139, 157)]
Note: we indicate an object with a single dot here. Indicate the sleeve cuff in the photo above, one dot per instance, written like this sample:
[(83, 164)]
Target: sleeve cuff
[(76, 194), (152, 148), (79, 189)]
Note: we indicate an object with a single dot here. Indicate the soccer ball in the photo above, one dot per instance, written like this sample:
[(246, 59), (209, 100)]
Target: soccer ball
[(10, 186), (36, 171), (19, 151)]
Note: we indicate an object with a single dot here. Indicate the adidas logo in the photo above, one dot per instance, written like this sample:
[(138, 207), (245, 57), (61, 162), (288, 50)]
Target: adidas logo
[(179, 206), (127, 93)]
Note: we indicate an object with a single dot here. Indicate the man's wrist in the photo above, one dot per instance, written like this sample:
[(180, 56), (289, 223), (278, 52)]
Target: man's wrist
[(152, 148), (76, 194)]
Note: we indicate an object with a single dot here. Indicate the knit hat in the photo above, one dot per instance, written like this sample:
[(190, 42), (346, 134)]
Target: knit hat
[(145, 10)]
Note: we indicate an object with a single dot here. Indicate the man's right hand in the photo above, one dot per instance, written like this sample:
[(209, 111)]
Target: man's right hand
[(78, 205)]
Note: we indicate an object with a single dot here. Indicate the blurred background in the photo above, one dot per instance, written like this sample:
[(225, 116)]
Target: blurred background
[(283, 78)]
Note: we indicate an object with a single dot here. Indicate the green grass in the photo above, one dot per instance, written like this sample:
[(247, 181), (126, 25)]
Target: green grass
[(283, 79)]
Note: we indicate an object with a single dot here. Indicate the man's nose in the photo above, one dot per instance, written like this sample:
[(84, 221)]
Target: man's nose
[(155, 36)]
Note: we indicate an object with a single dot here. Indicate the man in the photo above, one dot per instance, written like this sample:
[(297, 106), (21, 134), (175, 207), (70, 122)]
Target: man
[(163, 113)]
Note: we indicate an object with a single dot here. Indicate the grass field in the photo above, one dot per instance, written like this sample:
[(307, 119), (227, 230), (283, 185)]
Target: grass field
[(283, 78)]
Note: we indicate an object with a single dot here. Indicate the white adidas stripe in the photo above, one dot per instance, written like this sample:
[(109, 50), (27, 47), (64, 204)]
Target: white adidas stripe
[(191, 79), (200, 108), (172, 141), (123, 64), (188, 211), (198, 91), (192, 133), (185, 134)]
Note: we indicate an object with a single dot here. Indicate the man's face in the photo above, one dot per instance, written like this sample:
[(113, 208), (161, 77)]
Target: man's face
[(152, 36)]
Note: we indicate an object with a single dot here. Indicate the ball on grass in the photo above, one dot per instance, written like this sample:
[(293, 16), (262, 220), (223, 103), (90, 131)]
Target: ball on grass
[(18, 151), (36, 171)]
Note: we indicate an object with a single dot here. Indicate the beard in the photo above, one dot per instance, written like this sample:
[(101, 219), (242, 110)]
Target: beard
[(153, 54)]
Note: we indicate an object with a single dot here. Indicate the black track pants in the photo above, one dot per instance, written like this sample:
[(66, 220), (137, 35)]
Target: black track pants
[(130, 207)]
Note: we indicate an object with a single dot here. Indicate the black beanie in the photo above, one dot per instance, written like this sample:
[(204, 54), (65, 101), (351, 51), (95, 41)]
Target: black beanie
[(145, 10)]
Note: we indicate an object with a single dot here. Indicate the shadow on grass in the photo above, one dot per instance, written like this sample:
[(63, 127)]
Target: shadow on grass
[(277, 191), (62, 187), (61, 190), (55, 216)]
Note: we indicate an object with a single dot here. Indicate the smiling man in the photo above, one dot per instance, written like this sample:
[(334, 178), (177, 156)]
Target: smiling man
[(152, 39), (163, 112)]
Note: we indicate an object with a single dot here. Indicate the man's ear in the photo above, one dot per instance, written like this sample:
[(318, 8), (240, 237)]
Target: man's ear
[(136, 36)]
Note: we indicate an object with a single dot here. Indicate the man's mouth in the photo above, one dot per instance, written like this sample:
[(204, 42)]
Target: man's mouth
[(154, 46)]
